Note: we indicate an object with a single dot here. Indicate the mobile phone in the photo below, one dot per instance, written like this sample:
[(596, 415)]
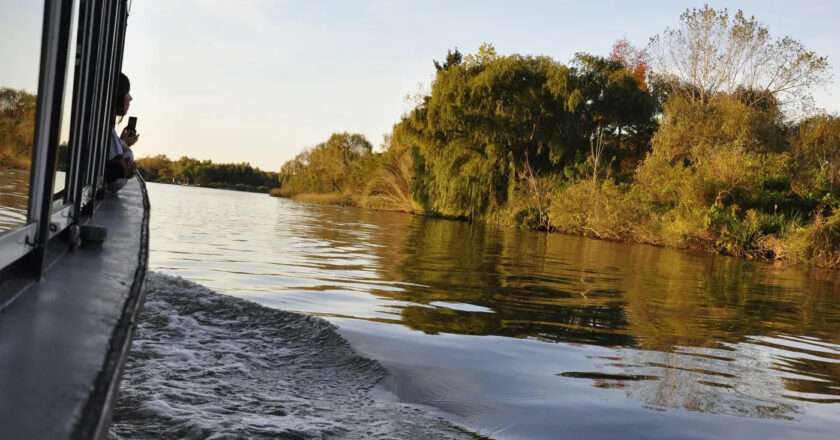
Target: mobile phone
[(132, 123)]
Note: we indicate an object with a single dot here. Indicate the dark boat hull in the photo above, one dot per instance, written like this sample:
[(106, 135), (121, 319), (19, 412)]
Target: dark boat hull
[(64, 339)]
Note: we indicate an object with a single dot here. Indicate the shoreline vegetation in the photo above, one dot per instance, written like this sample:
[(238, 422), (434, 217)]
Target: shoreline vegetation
[(706, 139), (204, 173), (17, 125)]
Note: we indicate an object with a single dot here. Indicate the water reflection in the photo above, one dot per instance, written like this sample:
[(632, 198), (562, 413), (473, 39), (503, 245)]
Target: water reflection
[(14, 197), (20, 23), (664, 329), (691, 331), (17, 133)]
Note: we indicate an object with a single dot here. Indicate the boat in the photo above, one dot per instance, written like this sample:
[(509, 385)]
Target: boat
[(72, 272)]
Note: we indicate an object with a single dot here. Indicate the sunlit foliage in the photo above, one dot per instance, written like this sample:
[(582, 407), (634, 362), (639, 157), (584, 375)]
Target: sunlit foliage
[(17, 127), (697, 141)]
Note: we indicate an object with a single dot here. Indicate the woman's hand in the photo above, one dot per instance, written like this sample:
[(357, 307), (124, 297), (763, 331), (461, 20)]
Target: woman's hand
[(129, 137)]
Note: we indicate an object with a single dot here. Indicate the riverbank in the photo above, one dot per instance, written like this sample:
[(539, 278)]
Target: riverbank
[(207, 174), (602, 210), (728, 172), (232, 187)]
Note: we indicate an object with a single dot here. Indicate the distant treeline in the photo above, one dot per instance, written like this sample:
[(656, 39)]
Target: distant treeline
[(702, 140), (189, 171)]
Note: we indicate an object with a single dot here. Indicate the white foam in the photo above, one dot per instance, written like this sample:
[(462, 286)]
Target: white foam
[(205, 365)]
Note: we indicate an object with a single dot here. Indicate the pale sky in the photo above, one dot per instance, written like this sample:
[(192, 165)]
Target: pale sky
[(258, 81)]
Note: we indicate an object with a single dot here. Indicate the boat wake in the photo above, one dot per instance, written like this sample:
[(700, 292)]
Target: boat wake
[(210, 366)]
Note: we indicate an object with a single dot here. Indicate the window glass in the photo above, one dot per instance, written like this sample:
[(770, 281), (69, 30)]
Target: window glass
[(63, 153), (20, 53)]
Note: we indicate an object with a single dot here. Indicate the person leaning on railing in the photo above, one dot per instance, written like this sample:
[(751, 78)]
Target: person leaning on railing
[(121, 165)]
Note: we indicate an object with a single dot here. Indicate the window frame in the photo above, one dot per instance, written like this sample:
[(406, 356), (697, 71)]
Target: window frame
[(97, 59)]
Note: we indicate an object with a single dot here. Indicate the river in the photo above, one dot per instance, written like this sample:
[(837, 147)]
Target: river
[(510, 334), (14, 198)]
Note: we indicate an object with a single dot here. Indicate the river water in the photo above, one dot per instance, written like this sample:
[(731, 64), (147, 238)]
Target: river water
[(14, 198), (509, 334)]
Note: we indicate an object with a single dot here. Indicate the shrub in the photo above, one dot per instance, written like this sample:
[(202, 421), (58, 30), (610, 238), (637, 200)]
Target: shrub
[(605, 210), (389, 185), (818, 243), (342, 199)]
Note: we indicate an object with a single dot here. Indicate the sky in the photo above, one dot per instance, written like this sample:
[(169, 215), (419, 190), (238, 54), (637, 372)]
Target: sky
[(259, 80)]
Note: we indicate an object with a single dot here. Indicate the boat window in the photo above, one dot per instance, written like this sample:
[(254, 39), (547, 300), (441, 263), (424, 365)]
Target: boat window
[(20, 30), (66, 132)]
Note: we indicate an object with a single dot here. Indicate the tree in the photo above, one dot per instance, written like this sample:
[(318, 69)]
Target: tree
[(335, 159), (452, 59), (715, 152), (17, 127), (486, 53), (482, 119), (634, 59), (817, 140), (712, 53), (614, 102), (327, 167)]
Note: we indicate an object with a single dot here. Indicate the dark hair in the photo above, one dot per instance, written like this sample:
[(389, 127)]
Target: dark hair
[(123, 86)]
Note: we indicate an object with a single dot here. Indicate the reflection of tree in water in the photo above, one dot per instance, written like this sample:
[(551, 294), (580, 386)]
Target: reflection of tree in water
[(688, 317), (684, 319), (557, 325), (14, 197), (758, 378), (475, 264), (745, 385), (563, 288), (17, 133)]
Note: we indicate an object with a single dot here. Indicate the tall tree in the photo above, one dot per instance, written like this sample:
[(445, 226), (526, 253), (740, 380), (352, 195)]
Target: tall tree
[(711, 52), (17, 127), (817, 140), (614, 103), (634, 59), (484, 118)]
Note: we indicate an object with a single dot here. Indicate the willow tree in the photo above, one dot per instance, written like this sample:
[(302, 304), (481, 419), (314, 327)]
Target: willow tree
[(326, 167), (486, 116)]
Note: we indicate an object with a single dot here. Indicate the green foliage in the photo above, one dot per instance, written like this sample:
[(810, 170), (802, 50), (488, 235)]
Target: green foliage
[(716, 151), (609, 148), (334, 166), (601, 209), (615, 107), (816, 143), (576, 169), (452, 59), (817, 243), (17, 127), (481, 121), (488, 116)]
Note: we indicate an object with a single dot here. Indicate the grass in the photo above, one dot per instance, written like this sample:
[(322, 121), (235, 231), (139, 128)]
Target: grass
[(324, 199), (817, 243)]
